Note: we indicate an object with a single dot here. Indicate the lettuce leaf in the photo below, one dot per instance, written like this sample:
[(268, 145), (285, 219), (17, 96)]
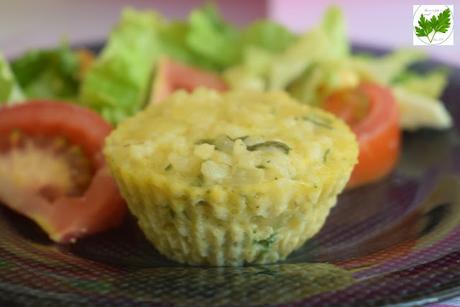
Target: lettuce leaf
[(117, 83), (252, 73), (212, 38), (268, 36), (418, 110), (324, 43), (387, 68), (430, 84), (322, 79), (51, 73), (173, 38), (417, 94), (333, 25), (223, 45), (10, 91)]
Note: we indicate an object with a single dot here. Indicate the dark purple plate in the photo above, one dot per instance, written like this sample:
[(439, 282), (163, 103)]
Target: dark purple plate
[(397, 241)]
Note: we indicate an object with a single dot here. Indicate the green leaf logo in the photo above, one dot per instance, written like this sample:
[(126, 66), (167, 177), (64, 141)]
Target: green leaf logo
[(437, 24)]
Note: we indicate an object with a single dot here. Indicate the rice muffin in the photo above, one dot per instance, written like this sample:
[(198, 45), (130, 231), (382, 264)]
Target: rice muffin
[(233, 178)]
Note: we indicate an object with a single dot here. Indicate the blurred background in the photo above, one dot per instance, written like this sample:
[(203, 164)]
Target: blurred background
[(31, 24)]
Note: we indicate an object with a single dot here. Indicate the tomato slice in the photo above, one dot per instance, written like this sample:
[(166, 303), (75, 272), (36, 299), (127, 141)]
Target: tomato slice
[(66, 188), (172, 76), (373, 115)]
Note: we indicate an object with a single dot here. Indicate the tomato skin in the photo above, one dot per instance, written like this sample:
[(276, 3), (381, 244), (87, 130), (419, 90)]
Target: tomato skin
[(102, 210), (79, 125), (66, 218), (378, 132), (172, 76)]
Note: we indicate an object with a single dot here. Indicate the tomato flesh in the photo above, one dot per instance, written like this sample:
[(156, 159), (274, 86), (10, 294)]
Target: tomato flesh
[(172, 76), (52, 169), (48, 166), (372, 113)]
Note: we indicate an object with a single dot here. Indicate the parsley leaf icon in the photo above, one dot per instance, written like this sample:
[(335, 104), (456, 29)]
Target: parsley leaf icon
[(440, 23), (425, 27)]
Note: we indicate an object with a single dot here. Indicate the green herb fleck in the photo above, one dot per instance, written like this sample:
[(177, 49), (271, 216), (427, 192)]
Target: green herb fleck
[(168, 167), (266, 271), (205, 141), (244, 137), (185, 215), (276, 144), (198, 182), (202, 203), (260, 166), (213, 141), (268, 242), (326, 154), (322, 122)]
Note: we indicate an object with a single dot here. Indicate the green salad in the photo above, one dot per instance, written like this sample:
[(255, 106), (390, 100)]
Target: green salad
[(263, 55)]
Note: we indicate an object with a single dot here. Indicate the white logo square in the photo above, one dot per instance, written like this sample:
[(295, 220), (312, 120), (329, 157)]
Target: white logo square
[(433, 25)]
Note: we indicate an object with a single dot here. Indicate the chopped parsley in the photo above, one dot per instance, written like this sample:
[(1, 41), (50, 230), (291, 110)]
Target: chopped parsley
[(270, 144), (205, 141), (268, 242), (319, 121), (326, 155)]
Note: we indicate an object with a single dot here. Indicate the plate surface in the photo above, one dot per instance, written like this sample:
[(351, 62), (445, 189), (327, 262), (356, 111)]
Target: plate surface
[(397, 241)]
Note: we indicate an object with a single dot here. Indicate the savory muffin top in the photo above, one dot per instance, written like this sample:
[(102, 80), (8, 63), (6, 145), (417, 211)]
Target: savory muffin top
[(206, 138)]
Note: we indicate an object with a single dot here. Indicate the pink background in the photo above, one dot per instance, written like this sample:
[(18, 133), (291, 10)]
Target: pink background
[(27, 24)]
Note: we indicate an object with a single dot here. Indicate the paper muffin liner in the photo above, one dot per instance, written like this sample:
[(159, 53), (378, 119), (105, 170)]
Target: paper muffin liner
[(228, 226)]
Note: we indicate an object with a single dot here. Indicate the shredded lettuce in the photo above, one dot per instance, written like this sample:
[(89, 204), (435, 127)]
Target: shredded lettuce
[(262, 56), (324, 43), (118, 82), (324, 77), (51, 73), (393, 69), (319, 62), (10, 91), (417, 94)]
